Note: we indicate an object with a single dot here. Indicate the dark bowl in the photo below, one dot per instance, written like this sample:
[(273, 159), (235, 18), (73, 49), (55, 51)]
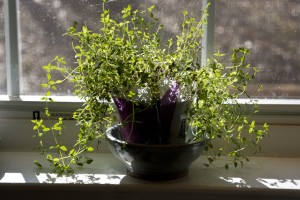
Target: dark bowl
[(155, 162)]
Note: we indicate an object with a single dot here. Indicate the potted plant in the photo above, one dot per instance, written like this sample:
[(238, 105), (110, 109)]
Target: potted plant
[(163, 96)]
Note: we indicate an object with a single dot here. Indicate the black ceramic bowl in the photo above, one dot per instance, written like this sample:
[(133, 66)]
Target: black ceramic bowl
[(156, 162)]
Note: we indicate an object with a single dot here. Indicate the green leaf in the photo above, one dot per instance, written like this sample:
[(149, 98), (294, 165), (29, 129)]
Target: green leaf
[(38, 164), (235, 164), (57, 128), (226, 166), (46, 129), (89, 161), (46, 67), (240, 128), (90, 149), (206, 148), (150, 9), (44, 98), (131, 94), (71, 153), (49, 157), (219, 54), (63, 148), (84, 29)]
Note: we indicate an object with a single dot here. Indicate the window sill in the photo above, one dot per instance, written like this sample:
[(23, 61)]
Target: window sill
[(272, 111), (261, 178)]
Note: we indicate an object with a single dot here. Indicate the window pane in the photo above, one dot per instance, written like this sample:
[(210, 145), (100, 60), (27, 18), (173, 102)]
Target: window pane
[(44, 22), (42, 25), (271, 29), (2, 52)]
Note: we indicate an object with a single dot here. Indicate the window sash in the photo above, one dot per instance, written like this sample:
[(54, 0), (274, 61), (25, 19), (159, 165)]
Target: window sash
[(13, 100)]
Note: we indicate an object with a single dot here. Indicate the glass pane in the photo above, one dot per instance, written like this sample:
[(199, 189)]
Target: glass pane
[(2, 52), (42, 25), (44, 22), (271, 29)]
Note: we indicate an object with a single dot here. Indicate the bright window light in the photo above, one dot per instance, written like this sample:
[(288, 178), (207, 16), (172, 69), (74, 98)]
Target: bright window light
[(280, 183), (12, 178), (81, 178), (238, 182)]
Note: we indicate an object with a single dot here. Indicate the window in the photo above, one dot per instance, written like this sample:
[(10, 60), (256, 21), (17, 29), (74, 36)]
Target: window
[(42, 25), (2, 52), (270, 29)]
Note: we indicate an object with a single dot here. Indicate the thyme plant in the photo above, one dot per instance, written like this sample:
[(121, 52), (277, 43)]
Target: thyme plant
[(128, 59)]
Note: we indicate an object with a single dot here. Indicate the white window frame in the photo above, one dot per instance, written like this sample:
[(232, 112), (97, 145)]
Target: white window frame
[(13, 106)]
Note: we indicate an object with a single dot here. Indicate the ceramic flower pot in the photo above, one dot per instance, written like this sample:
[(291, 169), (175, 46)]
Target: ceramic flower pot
[(162, 122), (151, 161)]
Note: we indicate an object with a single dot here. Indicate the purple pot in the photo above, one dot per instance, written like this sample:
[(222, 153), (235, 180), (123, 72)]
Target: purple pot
[(161, 123)]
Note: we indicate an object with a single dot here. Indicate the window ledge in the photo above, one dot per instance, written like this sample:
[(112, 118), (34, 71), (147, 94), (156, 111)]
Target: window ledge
[(262, 177), (27, 102)]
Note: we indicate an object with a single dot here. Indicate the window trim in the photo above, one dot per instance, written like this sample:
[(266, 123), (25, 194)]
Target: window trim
[(273, 112), (208, 34), (12, 47)]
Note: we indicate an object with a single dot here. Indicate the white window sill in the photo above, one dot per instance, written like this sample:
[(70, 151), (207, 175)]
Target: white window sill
[(105, 178), (265, 177)]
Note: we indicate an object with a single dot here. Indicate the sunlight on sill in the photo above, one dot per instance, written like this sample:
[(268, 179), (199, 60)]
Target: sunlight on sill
[(280, 183), (238, 182), (269, 183), (13, 178), (114, 179)]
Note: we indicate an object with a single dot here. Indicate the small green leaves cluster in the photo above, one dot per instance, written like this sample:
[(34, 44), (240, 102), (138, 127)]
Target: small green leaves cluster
[(216, 111), (62, 159), (129, 58)]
